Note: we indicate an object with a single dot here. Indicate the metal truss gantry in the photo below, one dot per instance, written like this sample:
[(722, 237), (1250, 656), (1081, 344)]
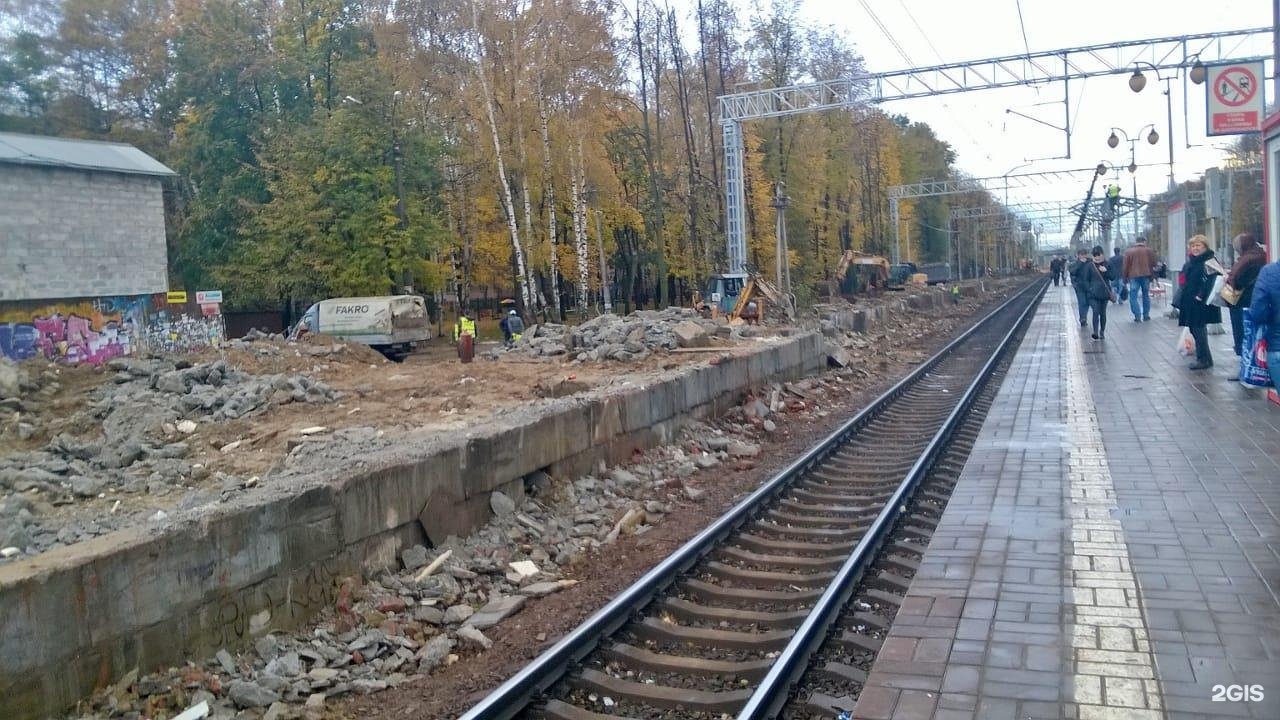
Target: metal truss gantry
[(1066, 64), (1049, 215)]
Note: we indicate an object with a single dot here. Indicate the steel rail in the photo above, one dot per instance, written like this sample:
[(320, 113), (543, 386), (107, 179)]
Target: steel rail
[(772, 692), (513, 696)]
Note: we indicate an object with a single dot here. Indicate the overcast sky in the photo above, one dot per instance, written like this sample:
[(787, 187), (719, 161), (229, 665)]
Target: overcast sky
[(991, 142)]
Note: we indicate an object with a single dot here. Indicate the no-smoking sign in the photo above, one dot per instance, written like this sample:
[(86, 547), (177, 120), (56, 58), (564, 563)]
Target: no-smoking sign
[(1234, 101)]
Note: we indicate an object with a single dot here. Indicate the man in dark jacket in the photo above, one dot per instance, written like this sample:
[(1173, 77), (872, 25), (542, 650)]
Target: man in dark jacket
[(1265, 310), (1115, 268), (1250, 257), (1055, 269), (1079, 272), (1137, 270)]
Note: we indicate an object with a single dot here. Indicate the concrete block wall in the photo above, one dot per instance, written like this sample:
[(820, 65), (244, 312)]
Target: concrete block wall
[(865, 319), (78, 618), (75, 233)]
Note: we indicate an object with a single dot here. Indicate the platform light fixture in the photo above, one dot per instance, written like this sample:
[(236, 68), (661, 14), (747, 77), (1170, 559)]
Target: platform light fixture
[(1137, 81), (1113, 141), (1153, 137), (1199, 73)]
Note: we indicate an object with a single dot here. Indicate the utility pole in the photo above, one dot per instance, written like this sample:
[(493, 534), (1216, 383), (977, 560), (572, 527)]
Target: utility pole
[(783, 271), (401, 214)]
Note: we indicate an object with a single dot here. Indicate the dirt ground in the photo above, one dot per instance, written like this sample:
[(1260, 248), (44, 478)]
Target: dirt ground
[(452, 690)]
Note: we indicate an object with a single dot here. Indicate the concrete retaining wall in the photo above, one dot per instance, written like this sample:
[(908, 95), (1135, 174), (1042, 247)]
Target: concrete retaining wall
[(866, 318), (78, 618)]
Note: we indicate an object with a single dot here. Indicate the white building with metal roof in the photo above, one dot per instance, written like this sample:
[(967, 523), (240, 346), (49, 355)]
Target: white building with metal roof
[(79, 219)]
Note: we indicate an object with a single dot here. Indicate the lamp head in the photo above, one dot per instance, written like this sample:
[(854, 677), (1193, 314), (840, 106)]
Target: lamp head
[(1113, 141), (1137, 81), (1198, 72), (1153, 137), (1101, 169), (1133, 167)]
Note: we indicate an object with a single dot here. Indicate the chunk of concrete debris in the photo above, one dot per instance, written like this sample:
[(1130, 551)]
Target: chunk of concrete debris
[(250, 695), (738, 448), (525, 568), (9, 552), (457, 614), (434, 653), (706, 461), (414, 557), (837, 357), (496, 610), (195, 712), (225, 660), (231, 446), (365, 686), (186, 427), (542, 589), (694, 493), (471, 635), (690, 334), (315, 701), (313, 430), (501, 505)]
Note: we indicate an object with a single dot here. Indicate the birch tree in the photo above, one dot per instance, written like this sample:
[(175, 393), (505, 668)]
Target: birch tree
[(508, 203)]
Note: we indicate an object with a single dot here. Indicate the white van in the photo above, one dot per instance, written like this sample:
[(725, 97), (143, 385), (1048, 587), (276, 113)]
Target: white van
[(391, 324)]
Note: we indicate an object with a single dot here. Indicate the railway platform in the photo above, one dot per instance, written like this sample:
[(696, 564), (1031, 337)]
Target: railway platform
[(1112, 547)]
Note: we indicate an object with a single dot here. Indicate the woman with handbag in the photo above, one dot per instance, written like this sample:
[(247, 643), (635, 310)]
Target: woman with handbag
[(1250, 257), (1098, 290), (1194, 311)]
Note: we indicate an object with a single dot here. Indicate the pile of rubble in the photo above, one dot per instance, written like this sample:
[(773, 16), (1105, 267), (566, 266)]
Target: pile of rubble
[(133, 435), (447, 602), (628, 339)]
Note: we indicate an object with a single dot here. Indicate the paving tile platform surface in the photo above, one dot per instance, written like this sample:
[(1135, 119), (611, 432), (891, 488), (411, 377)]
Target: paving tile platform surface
[(1112, 549)]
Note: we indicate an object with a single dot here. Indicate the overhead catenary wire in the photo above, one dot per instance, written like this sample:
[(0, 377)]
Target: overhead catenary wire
[(1023, 25)]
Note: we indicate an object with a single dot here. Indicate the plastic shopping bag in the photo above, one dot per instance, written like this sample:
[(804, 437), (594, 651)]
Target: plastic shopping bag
[(1186, 343), (1215, 295), (1253, 364)]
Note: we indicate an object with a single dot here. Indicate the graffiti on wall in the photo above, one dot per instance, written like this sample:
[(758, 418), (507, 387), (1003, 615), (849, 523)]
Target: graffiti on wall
[(85, 331), (96, 330)]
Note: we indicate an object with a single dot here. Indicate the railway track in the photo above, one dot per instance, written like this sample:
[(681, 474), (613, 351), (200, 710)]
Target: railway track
[(812, 566)]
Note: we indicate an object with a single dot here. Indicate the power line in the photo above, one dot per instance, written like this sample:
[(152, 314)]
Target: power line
[(1023, 25), (893, 41)]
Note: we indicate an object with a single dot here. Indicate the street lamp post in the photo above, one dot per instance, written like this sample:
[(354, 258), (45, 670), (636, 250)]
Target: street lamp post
[(1012, 230), (1153, 137), (1138, 81)]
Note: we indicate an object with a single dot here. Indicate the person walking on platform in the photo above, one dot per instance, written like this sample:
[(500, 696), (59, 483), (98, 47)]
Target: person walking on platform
[(1115, 268), (1265, 310), (1098, 290), (1080, 270), (1194, 311), (1137, 269), (1250, 257), (1055, 270)]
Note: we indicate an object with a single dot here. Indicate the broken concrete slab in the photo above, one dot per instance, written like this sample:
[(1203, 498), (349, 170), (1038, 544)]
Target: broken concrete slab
[(496, 610)]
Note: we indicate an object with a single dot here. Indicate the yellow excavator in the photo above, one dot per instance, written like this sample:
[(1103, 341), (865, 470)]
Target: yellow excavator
[(740, 297), (860, 272)]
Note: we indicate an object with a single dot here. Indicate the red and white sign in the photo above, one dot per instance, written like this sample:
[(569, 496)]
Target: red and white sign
[(1234, 100)]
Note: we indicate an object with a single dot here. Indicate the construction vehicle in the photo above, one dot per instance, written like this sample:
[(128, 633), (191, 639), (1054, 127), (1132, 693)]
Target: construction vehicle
[(740, 296), (860, 273)]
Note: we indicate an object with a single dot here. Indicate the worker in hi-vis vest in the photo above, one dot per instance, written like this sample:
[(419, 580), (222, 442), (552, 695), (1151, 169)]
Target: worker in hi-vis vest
[(464, 326)]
